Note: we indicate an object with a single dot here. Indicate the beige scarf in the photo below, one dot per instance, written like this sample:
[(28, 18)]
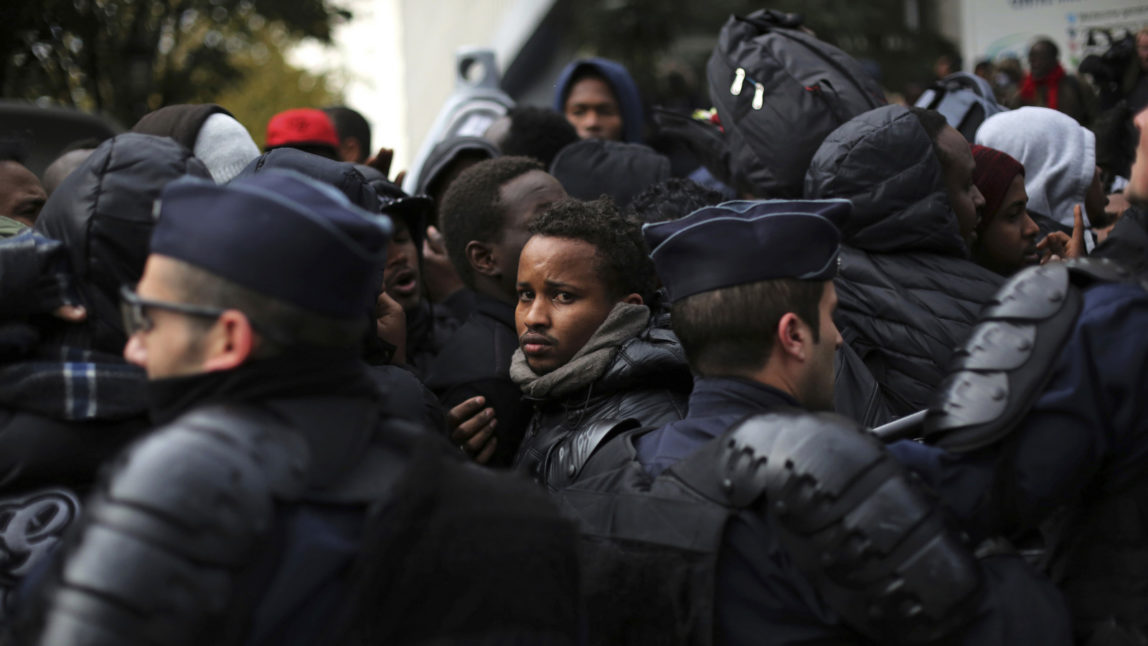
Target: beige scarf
[(625, 322)]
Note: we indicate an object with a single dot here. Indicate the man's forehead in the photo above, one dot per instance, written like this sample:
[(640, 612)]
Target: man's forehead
[(564, 259), (592, 85)]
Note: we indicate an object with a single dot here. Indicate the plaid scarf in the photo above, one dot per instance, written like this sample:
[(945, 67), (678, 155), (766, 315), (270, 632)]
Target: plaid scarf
[(70, 383)]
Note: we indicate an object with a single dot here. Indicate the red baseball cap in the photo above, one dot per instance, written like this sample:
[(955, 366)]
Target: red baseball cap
[(301, 126)]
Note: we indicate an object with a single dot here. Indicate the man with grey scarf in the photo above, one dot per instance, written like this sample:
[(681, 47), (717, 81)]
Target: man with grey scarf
[(593, 350)]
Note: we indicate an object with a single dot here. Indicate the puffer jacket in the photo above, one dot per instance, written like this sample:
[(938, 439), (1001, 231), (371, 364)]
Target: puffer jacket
[(103, 214), (648, 381), (68, 400), (907, 293)]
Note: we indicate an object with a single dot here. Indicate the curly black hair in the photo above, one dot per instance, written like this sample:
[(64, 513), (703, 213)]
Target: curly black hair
[(471, 208), (672, 199), (622, 261), (538, 133)]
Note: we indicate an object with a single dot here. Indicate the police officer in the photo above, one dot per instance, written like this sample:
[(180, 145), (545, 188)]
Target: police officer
[(784, 524), (239, 519), (1040, 430)]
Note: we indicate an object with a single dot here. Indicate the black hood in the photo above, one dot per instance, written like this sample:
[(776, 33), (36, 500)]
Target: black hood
[(342, 175), (104, 213), (884, 162), (414, 211), (180, 122)]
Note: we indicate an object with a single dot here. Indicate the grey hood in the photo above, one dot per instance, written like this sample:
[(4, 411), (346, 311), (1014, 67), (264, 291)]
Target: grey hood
[(1058, 155)]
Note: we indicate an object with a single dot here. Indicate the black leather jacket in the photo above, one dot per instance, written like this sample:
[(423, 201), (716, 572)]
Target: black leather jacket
[(648, 381)]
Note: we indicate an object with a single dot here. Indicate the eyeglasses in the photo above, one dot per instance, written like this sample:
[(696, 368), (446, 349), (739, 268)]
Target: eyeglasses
[(134, 311)]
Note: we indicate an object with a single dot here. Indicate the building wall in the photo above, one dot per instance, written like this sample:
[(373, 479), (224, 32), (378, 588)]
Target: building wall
[(434, 30)]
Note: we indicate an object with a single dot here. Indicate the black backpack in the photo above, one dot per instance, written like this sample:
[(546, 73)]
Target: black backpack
[(779, 92), (964, 100)]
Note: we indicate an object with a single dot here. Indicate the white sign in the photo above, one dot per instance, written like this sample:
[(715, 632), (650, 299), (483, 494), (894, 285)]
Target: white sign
[(996, 29)]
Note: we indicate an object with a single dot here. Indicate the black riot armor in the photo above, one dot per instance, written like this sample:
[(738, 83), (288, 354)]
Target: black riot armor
[(871, 544)]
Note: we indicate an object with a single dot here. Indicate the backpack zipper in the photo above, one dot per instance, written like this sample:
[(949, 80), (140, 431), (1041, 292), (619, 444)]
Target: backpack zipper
[(738, 80)]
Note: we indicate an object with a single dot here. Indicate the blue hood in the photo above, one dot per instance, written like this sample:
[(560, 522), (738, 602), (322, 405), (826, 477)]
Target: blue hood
[(625, 90)]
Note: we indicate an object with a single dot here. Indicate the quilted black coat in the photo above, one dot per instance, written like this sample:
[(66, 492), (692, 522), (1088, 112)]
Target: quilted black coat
[(908, 295), (648, 381)]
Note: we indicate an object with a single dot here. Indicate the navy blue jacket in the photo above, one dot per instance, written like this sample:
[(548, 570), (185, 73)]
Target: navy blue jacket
[(759, 590), (1088, 428)]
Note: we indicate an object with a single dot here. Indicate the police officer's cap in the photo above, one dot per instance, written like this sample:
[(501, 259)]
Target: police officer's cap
[(278, 233), (742, 242)]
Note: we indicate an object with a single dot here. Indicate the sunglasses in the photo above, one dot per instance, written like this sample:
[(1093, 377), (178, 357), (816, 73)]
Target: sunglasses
[(134, 311)]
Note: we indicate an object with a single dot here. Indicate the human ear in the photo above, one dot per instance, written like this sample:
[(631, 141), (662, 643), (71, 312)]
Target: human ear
[(482, 258), (791, 335), (230, 343), (633, 299)]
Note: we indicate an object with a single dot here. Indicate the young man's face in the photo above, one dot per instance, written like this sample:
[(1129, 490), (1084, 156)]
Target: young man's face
[(593, 110), (21, 194), (958, 165), (1008, 242), (521, 199), (173, 347), (562, 300), (817, 386), (1137, 190), (401, 274)]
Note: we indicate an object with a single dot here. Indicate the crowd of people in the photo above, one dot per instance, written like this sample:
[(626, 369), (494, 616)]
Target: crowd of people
[(575, 388)]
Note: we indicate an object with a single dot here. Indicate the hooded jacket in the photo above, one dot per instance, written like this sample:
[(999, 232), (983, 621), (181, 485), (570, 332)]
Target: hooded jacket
[(625, 91), (103, 213), (907, 293), (1058, 154), (68, 400), (647, 379)]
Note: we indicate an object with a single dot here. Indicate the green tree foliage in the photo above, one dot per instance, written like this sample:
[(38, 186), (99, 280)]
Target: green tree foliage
[(270, 85), (126, 57)]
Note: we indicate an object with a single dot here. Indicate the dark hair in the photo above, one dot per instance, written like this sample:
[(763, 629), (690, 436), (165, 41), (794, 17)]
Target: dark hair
[(282, 326), (471, 207), (349, 123), (538, 133), (1047, 43), (622, 261), (729, 331), (672, 199)]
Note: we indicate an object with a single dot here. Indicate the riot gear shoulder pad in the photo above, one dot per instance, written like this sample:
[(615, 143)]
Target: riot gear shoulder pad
[(997, 375), (875, 549), (179, 514)]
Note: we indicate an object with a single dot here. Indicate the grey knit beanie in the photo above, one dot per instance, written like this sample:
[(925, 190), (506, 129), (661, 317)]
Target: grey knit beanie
[(224, 146)]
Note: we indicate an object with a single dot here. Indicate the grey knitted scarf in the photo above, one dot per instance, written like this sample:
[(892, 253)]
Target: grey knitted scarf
[(625, 322)]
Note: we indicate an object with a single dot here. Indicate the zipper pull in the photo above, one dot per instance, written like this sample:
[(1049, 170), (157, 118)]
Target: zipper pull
[(758, 96), (738, 80)]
